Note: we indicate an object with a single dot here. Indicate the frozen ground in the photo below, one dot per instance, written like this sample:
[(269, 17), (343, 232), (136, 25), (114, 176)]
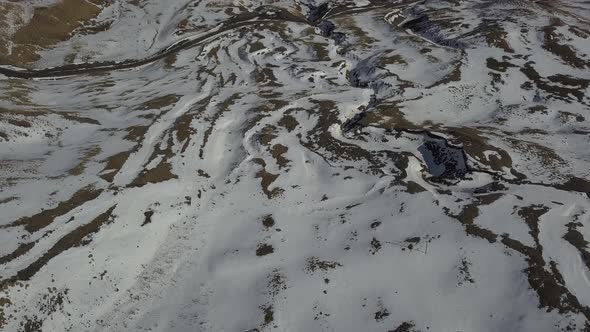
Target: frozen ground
[(391, 166)]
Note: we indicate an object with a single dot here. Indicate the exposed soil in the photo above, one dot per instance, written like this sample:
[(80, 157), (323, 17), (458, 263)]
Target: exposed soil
[(267, 179), (405, 327), (576, 239), (78, 237), (147, 217), (46, 217), (47, 27), (314, 264), (22, 249), (264, 249), (268, 221), (278, 150)]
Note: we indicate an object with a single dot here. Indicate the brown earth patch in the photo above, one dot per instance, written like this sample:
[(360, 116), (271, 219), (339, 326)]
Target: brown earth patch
[(564, 52), (114, 163), (182, 125), (161, 173), (405, 327), (375, 246), (388, 116), (349, 24), (3, 303), (268, 221), (136, 133), (548, 283), (46, 217), (31, 324), (576, 239), (547, 156), (414, 188), (470, 212), (77, 238), (453, 76), (268, 314), (19, 251), (264, 249), (531, 215), (222, 107), (19, 123), (267, 134), (89, 154), (324, 144), (267, 179), (160, 102), (49, 26), (575, 184), (277, 152), (147, 217), (276, 283), (266, 77), (289, 122), (8, 199), (271, 105), (496, 36), (78, 118), (557, 91), (475, 145), (501, 66), (314, 263), (381, 314), (464, 273), (9, 10)]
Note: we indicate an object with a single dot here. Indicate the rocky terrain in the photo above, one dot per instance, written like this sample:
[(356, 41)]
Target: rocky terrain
[(294, 165)]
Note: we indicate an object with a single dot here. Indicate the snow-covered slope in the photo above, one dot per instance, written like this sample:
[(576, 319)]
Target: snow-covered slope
[(294, 165)]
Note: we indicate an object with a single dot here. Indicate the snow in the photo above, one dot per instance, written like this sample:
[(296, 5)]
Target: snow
[(398, 165)]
